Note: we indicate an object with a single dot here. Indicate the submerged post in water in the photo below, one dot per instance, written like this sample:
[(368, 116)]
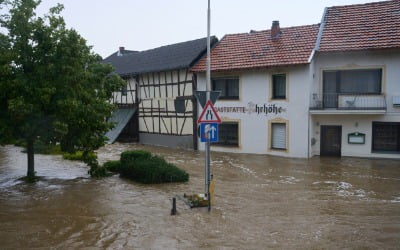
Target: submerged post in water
[(173, 210)]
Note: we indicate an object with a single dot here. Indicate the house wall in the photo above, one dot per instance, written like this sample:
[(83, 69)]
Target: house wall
[(390, 63), (255, 89), (130, 97), (159, 124), (352, 124)]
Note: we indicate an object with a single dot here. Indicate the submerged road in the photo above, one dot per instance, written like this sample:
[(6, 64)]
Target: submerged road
[(262, 202)]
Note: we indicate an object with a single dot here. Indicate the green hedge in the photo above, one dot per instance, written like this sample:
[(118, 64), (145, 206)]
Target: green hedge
[(112, 166), (78, 156), (130, 156), (141, 166)]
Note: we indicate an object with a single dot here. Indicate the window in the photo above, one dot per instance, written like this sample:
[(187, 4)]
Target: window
[(360, 81), (278, 135), (229, 87), (228, 133), (279, 86), (386, 137)]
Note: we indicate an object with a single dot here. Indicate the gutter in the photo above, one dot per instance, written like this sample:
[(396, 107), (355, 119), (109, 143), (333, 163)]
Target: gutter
[(319, 37)]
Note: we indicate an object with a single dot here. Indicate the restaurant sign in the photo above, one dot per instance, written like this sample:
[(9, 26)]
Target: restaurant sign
[(252, 108)]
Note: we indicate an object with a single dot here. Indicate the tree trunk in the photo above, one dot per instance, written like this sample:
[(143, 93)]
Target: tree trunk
[(31, 158)]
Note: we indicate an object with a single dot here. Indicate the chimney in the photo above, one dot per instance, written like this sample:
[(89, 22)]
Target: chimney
[(121, 51), (275, 30)]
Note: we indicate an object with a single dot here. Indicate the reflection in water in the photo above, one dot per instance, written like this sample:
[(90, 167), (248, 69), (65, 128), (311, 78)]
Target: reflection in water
[(261, 202)]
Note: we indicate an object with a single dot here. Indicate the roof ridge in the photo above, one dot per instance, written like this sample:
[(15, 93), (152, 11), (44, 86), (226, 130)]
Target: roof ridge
[(268, 30), (356, 27), (362, 4), (176, 44)]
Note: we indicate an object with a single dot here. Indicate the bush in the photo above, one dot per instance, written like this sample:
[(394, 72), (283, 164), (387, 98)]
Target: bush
[(130, 156), (97, 171), (141, 166), (41, 147), (77, 156), (112, 166)]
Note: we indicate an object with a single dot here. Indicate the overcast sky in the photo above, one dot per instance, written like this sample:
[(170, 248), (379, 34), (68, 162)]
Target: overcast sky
[(146, 24)]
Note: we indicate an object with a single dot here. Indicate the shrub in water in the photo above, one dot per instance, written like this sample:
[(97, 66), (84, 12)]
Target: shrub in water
[(130, 156), (112, 166), (145, 168), (99, 171), (78, 156)]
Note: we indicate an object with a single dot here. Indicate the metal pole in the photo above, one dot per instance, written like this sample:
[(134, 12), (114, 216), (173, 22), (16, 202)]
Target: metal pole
[(208, 98), (208, 173), (208, 52)]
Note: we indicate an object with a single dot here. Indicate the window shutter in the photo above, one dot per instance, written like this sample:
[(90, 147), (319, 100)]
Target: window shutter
[(278, 136)]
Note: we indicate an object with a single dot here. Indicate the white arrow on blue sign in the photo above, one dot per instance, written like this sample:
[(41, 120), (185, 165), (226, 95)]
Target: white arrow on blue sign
[(209, 131)]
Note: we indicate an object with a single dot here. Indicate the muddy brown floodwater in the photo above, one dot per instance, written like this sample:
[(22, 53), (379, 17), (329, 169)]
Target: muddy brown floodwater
[(262, 202)]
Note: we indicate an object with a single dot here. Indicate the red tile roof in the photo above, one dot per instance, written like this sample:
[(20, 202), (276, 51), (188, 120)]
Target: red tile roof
[(257, 49), (361, 27)]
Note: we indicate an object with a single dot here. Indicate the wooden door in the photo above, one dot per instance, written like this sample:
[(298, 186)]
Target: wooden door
[(331, 140)]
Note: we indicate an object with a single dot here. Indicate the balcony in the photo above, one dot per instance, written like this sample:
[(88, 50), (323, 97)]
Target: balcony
[(338, 103)]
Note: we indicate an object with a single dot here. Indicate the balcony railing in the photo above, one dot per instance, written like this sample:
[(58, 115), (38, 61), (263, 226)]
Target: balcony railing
[(348, 101)]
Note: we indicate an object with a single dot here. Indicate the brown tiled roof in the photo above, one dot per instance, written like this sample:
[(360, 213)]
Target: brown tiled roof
[(258, 50), (361, 27)]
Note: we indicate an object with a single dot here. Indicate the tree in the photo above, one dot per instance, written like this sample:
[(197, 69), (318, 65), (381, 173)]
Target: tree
[(53, 88)]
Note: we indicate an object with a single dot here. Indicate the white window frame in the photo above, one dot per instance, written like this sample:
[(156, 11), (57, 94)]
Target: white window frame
[(270, 134)]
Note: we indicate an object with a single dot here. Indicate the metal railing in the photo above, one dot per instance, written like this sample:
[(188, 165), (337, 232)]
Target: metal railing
[(341, 101)]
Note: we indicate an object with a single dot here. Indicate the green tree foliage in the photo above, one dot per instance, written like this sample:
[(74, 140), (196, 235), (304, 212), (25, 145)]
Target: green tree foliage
[(53, 88)]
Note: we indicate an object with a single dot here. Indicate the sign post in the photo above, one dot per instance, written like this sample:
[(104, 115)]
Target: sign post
[(208, 88), (208, 121), (209, 118)]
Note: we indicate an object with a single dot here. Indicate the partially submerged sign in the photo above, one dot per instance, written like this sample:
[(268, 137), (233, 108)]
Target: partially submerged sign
[(209, 114)]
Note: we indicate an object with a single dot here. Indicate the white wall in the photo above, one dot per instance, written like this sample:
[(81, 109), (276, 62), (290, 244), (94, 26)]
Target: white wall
[(255, 88), (129, 98), (390, 63), (351, 124)]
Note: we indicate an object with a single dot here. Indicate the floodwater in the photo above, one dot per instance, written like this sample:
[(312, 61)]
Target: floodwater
[(262, 202)]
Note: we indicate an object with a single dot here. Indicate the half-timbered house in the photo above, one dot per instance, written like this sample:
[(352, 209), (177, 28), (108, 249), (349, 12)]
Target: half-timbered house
[(155, 78)]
